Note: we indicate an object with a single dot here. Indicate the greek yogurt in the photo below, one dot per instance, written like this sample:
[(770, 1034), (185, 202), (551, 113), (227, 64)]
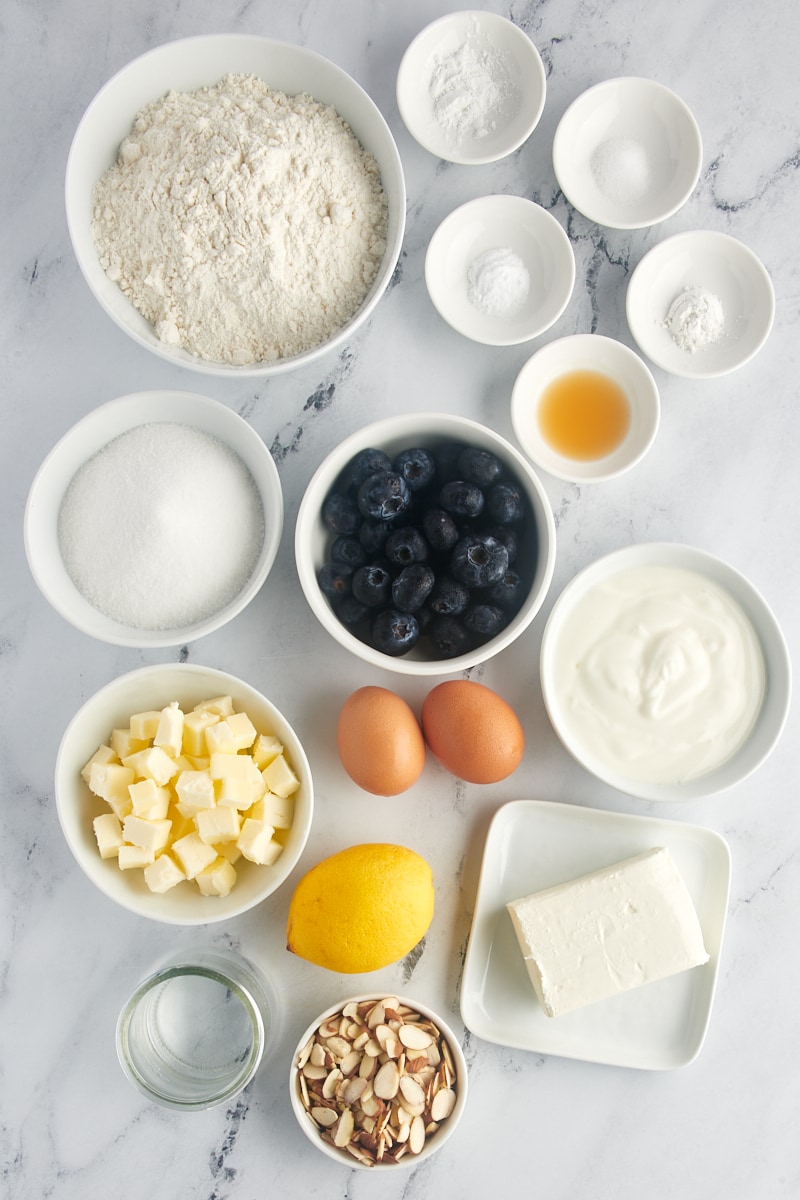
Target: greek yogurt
[(659, 674)]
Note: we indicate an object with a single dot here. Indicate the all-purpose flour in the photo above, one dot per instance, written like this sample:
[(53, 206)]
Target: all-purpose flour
[(244, 224)]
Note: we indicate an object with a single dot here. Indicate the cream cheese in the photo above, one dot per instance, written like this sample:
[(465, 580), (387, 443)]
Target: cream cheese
[(608, 932), (659, 674)]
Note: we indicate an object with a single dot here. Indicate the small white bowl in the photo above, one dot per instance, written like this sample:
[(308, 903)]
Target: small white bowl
[(499, 60), (500, 222), (151, 688), (433, 1142), (589, 352), (88, 437), (427, 430), (771, 718), (627, 153), (195, 62), (710, 262)]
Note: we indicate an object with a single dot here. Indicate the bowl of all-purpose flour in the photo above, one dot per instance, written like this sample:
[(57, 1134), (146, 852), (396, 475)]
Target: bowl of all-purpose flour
[(154, 520), (236, 204)]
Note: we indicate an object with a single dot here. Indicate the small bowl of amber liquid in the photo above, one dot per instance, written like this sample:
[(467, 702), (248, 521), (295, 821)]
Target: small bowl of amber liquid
[(585, 408)]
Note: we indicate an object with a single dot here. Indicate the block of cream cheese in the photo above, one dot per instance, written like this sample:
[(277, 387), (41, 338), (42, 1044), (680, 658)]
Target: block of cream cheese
[(608, 932)]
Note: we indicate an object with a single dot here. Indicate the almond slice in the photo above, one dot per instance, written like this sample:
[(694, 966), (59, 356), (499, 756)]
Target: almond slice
[(416, 1137), (414, 1038), (387, 1081), (443, 1104)]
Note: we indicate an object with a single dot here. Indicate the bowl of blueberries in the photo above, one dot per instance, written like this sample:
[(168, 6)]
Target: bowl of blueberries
[(425, 543)]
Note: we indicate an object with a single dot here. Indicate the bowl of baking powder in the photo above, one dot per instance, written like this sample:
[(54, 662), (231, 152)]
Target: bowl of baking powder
[(236, 204)]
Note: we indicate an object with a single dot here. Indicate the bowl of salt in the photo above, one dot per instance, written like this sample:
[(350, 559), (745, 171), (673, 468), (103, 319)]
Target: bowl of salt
[(627, 153)]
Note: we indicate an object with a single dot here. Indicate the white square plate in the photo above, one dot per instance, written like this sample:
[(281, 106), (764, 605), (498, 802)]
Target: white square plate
[(535, 844)]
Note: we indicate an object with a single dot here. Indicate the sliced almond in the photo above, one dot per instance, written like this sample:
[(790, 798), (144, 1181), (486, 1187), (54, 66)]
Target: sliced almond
[(325, 1116), (339, 1046), (387, 1081), (416, 1137), (443, 1104), (411, 1090), (414, 1038), (332, 1081), (344, 1128)]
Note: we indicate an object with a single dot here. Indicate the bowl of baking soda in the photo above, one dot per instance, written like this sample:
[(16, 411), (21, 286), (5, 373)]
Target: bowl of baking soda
[(154, 520), (236, 204)]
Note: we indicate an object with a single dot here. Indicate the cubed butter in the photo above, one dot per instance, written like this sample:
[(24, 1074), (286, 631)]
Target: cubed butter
[(169, 735), (195, 724), (217, 879), (277, 810), (144, 724), (108, 833), (163, 874), (103, 754), (218, 825), (195, 791), (256, 843), (149, 800), (192, 854), (280, 778), (152, 763), (233, 766), (220, 706), (149, 835), (132, 857), (265, 748), (110, 781), (123, 743)]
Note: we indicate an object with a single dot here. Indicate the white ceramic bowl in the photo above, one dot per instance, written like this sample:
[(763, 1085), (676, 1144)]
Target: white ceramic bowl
[(586, 352), (497, 223), (110, 708), (433, 1142), (771, 717), (188, 64), (393, 434), (627, 153), (88, 437), (710, 262), (498, 60)]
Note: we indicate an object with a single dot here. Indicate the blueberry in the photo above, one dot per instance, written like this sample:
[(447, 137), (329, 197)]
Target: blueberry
[(448, 637), (508, 593), (393, 632), (479, 466), (417, 467), (373, 536), (412, 587), (506, 534), (440, 529), (350, 611), (504, 503), (478, 560), (405, 546), (484, 620), (446, 457), (383, 496), (366, 462), (372, 585), (340, 513), (348, 549), (461, 499), (335, 579), (448, 598)]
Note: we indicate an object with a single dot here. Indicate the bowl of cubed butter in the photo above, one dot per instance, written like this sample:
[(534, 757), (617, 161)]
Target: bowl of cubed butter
[(184, 794)]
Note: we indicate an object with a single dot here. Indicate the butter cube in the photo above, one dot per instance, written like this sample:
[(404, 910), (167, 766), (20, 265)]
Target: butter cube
[(220, 739), (218, 825), (192, 854), (169, 735), (108, 832), (217, 879), (123, 743), (233, 766), (153, 764), (144, 724), (221, 706), (280, 778), (195, 725), (229, 850), (255, 842), (163, 874), (238, 793), (149, 800), (132, 857), (149, 835), (197, 762), (181, 823), (110, 781), (103, 754), (195, 791), (266, 748), (243, 729)]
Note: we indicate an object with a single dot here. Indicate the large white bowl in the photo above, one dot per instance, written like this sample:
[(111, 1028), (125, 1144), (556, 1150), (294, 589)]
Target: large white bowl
[(433, 1142), (111, 707), (394, 434), (642, 119), (771, 717), (188, 64), (88, 437)]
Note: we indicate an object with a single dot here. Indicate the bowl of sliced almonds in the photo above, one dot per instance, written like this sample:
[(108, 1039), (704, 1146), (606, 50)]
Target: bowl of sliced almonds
[(378, 1081)]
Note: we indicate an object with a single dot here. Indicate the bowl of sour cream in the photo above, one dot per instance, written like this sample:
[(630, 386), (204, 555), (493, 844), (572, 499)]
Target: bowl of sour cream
[(665, 673)]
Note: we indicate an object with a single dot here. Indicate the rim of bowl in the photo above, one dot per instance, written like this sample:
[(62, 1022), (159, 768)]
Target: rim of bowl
[(774, 711), (640, 387), (444, 1132), (86, 438), (402, 428), (103, 873), (108, 295)]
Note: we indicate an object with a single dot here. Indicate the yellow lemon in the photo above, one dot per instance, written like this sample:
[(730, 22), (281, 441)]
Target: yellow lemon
[(361, 909)]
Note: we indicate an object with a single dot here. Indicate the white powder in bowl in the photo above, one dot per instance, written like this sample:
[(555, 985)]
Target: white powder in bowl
[(621, 170), (162, 527), (695, 319), (471, 88), (498, 282)]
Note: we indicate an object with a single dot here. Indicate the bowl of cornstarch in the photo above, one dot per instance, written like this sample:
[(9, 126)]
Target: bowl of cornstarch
[(236, 204), (627, 153), (154, 520), (471, 87)]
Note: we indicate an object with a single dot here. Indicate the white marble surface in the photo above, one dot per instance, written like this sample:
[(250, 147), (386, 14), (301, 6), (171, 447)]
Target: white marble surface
[(722, 475)]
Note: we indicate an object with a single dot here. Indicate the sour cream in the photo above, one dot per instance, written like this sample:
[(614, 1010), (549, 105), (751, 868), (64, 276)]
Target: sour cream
[(660, 675)]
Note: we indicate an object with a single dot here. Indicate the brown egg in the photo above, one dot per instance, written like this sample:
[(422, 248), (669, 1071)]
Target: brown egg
[(380, 742), (472, 731)]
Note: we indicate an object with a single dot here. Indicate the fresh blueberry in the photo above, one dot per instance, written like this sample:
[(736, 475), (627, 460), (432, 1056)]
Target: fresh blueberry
[(348, 549), (461, 499), (479, 466), (440, 529), (393, 632), (446, 457), (366, 462), (340, 513), (373, 536), (383, 496), (506, 534), (405, 546), (412, 587), (448, 598), (335, 579), (372, 585), (478, 560), (508, 593), (350, 611), (504, 503), (448, 637), (484, 620), (417, 467)]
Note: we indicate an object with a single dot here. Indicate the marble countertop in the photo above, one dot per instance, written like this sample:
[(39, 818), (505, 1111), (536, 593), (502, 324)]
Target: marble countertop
[(722, 475)]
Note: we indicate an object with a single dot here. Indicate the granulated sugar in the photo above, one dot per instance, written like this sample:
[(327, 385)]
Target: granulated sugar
[(162, 527), (621, 169)]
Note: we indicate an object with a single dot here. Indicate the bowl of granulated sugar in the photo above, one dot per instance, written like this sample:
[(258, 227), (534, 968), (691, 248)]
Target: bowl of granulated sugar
[(236, 204), (154, 520)]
